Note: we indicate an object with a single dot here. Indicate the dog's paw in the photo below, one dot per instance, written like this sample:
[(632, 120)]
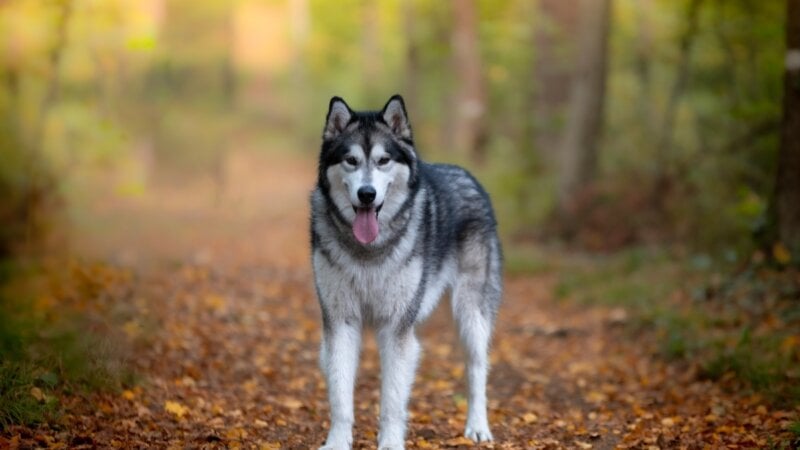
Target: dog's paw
[(393, 445), (478, 433), (337, 444), (343, 446)]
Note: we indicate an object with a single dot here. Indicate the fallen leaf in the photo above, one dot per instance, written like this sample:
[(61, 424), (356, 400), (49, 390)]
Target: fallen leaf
[(37, 394), (292, 403), (781, 253), (175, 408), (530, 418), (461, 440)]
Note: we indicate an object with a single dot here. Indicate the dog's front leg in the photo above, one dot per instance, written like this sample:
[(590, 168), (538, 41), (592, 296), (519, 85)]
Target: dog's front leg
[(399, 355), (339, 360)]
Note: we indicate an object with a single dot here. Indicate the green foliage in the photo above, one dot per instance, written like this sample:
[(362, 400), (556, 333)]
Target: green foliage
[(757, 361), (17, 405), (178, 84), (722, 322), (43, 356), (722, 164)]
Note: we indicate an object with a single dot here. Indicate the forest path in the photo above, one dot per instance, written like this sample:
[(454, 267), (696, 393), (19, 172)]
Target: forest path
[(226, 331)]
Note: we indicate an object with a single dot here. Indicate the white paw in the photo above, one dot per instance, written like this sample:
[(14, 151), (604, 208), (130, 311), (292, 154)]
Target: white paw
[(390, 436), (343, 446), (340, 437), (478, 432), (385, 444), (337, 444)]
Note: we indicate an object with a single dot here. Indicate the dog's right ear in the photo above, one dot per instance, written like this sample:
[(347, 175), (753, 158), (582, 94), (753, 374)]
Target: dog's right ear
[(339, 115)]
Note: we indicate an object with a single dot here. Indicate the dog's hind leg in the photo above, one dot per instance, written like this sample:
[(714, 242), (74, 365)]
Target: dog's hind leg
[(399, 356), (475, 298), (339, 360)]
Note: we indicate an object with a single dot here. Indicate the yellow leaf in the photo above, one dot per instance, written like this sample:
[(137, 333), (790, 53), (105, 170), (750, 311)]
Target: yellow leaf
[(596, 397), (37, 393), (584, 445), (781, 253), (132, 329), (461, 440), (128, 395), (270, 446), (292, 403), (215, 302), (790, 343), (442, 385), (175, 408), (530, 418), (422, 443), (236, 433)]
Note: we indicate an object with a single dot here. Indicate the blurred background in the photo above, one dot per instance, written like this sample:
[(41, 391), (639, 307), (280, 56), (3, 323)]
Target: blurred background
[(603, 126), (642, 155)]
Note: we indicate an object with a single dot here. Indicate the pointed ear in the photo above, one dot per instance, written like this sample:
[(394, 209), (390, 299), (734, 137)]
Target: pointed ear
[(394, 114), (339, 115)]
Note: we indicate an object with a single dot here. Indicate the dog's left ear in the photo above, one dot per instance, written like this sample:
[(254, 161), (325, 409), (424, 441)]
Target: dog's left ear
[(394, 114)]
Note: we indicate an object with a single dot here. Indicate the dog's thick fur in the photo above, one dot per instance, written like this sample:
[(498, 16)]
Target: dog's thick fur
[(390, 233)]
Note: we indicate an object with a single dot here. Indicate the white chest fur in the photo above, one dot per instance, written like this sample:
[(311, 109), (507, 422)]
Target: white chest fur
[(379, 293)]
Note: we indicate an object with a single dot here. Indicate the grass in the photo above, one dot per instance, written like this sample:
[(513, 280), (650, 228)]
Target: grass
[(47, 352), (740, 325)]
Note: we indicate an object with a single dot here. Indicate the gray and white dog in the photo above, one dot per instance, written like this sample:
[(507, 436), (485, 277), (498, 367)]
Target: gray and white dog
[(389, 234)]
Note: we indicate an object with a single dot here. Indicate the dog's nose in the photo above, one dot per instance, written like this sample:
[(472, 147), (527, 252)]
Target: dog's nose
[(366, 194)]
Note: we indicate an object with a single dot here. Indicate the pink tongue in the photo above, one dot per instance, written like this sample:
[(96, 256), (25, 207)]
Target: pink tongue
[(365, 227)]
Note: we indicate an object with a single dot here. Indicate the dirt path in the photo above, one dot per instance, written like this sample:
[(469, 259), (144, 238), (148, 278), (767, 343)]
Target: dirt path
[(226, 334)]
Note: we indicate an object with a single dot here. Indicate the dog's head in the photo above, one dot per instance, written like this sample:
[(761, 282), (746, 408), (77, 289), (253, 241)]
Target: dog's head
[(367, 164)]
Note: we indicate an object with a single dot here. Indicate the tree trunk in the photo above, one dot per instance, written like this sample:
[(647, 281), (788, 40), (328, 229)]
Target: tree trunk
[(469, 129), (642, 55), (787, 187), (413, 66), (53, 87), (553, 64), (371, 52), (667, 137), (585, 119)]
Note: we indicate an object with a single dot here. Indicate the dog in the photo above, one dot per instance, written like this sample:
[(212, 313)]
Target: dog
[(389, 235)]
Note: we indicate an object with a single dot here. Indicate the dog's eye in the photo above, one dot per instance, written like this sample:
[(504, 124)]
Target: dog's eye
[(383, 161), (351, 160)]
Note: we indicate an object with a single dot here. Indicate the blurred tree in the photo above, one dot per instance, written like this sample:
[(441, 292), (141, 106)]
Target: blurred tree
[(667, 129), (553, 63), (371, 51), (585, 117), (787, 187), (469, 131), (413, 63), (29, 190), (643, 49)]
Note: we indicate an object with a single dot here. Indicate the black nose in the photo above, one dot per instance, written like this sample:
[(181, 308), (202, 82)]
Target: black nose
[(366, 194)]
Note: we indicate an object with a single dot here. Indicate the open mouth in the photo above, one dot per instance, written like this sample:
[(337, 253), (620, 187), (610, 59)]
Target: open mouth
[(365, 225), (377, 210)]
